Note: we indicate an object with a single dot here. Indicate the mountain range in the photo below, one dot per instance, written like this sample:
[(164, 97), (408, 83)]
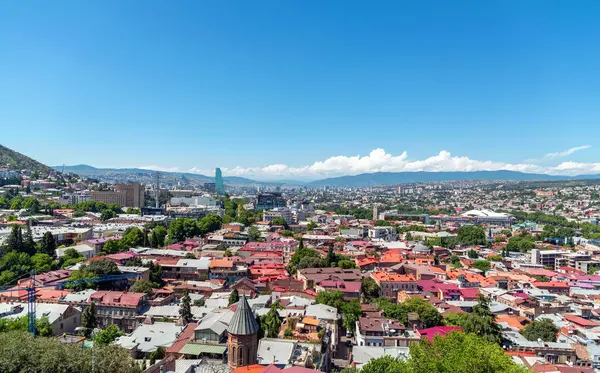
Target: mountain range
[(18, 161), (382, 178)]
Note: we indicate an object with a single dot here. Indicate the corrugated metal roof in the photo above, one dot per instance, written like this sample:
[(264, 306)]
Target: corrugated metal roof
[(197, 349), (243, 321)]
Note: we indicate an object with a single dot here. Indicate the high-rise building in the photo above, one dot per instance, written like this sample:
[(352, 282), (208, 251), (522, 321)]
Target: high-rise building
[(125, 195), (219, 187)]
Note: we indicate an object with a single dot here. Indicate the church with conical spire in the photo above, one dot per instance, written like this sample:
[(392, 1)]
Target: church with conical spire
[(242, 341)]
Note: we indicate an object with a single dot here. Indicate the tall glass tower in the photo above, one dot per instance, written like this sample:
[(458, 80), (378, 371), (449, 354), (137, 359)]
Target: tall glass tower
[(219, 187)]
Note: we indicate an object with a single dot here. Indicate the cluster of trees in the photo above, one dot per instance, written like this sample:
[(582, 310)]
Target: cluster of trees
[(21, 352), (135, 237), (456, 352), (357, 212), (522, 242), (350, 310), (14, 201), (235, 212), (428, 314), (183, 228), (93, 270), (482, 265), (21, 324), (21, 255), (471, 235), (541, 218), (309, 258)]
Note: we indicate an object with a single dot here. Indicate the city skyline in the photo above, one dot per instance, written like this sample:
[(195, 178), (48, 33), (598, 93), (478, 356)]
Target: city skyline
[(307, 90)]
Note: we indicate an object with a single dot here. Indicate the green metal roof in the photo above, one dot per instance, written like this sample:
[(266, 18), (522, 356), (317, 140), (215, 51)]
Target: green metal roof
[(197, 349)]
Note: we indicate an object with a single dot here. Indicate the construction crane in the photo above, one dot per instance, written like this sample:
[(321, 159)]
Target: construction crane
[(32, 290)]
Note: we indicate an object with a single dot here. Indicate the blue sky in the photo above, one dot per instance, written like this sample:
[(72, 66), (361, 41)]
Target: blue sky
[(272, 88)]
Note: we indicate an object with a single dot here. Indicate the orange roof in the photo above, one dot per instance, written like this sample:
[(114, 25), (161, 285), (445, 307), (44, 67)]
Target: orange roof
[(310, 321), (365, 261), (221, 263), (510, 320), (383, 276), (254, 368)]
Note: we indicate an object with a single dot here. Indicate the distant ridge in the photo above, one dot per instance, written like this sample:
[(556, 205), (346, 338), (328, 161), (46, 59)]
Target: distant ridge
[(91, 171), (17, 161), (387, 178), (356, 181)]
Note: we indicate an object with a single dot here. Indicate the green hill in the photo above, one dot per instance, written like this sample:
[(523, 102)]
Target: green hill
[(18, 161)]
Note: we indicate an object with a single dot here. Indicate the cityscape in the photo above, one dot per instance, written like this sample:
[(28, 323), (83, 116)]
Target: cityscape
[(299, 187)]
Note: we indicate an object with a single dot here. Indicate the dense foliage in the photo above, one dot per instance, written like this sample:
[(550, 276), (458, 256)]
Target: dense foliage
[(540, 329), (454, 353), (428, 314), (21, 352)]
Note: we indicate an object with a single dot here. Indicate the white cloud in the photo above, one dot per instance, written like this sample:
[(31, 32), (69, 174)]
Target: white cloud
[(567, 152), (378, 160)]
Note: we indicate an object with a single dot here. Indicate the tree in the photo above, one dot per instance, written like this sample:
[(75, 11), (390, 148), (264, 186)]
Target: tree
[(32, 205), (210, 224), (158, 235), (471, 235), (108, 335), (157, 354), (483, 322), (253, 234), (428, 314), (311, 225), (133, 237), (142, 287), (270, 323), (332, 298), (331, 258), (234, 297), (112, 247), (228, 253), (71, 257), (107, 215), (382, 223), (495, 258), (190, 256), (42, 262), (472, 254), (88, 319), (541, 329), (48, 245), (369, 289), (14, 241), (346, 264), (279, 221), (351, 313), (185, 309), (311, 262), (482, 265), (28, 243), (182, 228)]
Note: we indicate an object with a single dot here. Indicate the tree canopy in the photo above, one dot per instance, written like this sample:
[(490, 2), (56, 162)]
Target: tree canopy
[(428, 314), (540, 329), (471, 235), (455, 352), (21, 352)]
